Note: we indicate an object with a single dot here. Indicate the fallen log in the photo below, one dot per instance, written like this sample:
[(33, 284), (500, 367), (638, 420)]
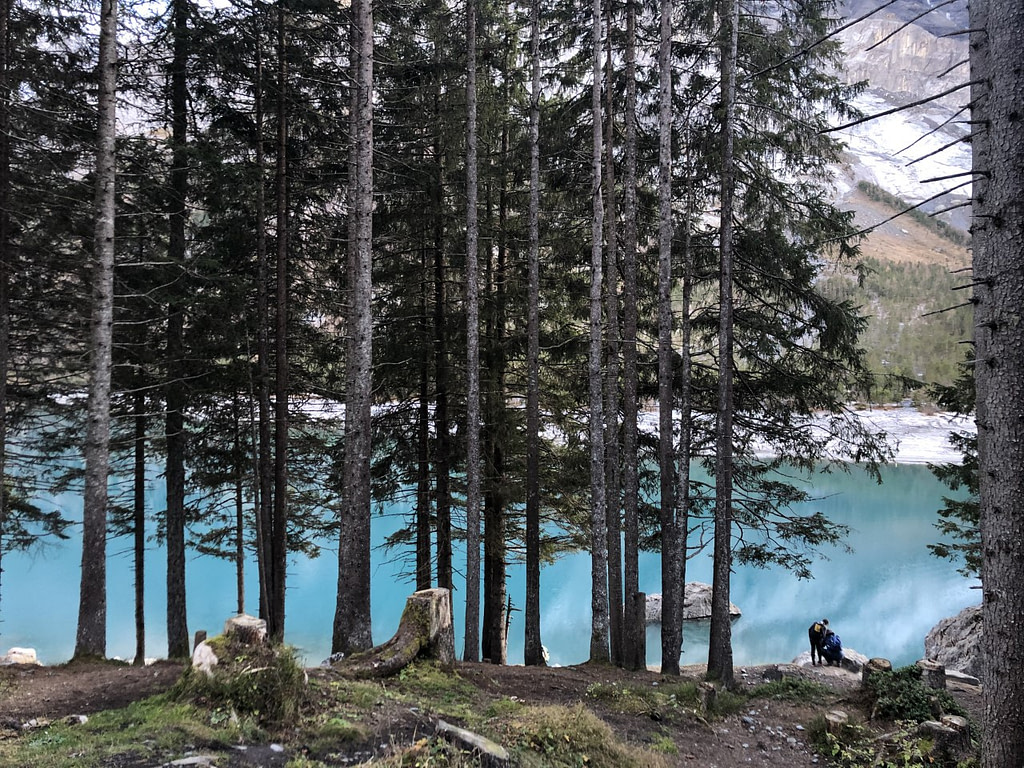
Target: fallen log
[(424, 631)]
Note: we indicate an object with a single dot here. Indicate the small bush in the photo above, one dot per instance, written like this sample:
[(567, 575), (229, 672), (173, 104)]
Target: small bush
[(900, 695), (263, 681)]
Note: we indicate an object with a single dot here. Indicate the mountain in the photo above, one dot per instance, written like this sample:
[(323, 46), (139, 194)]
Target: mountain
[(921, 151)]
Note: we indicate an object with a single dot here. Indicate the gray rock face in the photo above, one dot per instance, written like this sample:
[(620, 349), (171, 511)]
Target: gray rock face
[(954, 641), (696, 604)]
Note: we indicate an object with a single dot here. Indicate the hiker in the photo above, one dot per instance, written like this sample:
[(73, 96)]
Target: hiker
[(816, 635), (832, 648)]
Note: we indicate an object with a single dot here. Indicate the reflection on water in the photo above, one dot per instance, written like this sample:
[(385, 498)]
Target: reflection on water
[(882, 597)]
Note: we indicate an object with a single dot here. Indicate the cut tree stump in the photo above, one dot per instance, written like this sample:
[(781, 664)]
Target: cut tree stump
[(933, 673), (424, 631), (247, 629), (873, 666), (836, 721)]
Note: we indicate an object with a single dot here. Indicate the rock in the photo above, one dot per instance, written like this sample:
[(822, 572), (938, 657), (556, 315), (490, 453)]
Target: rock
[(696, 604), (954, 676), (204, 659), (954, 642), (491, 754), (853, 661), (20, 656)]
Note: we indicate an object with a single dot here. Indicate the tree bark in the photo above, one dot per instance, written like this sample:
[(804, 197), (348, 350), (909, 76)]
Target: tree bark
[(671, 596), (442, 457), (177, 617), (533, 652), (423, 569), (471, 651), (6, 255), (613, 366), (634, 631), (599, 543), (720, 663), (998, 245), (264, 462), (139, 515), (91, 636), (352, 628)]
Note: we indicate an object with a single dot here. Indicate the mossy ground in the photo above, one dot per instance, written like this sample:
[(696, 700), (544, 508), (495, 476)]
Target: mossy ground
[(590, 715)]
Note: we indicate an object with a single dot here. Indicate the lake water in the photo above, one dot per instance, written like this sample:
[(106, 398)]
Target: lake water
[(882, 597)]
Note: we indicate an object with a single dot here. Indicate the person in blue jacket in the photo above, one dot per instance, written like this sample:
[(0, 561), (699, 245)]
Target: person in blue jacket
[(832, 648)]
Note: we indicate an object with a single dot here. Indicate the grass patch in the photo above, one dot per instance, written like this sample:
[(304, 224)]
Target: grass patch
[(149, 729), (795, 689), (432, 689), (564, 737)]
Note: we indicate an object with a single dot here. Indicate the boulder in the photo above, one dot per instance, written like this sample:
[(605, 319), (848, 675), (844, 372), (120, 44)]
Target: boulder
[(696, 604), (853, 661), (20, 656), (954, 642)]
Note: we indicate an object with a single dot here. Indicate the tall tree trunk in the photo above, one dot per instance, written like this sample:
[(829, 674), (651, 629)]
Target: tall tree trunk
[(495, 508), (91, 636), (671, 588), (533, 651), (265, 465), (682, 521), (423, 571), (139, 515), (177, 618), (998, 245), (471, 651), (6, 257), (612, 459), (442, 457), (720, 665), (598, 533), (634, 630), (240, 473), (279, 517), (352, 628)]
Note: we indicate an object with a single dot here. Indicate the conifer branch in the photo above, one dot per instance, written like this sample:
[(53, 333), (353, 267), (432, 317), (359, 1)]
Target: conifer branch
[(941, 149), (894, 110), (936, 129), (948, 309), (807, 49)]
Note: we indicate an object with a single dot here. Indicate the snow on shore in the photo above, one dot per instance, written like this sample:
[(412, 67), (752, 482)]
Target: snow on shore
[(918, 437)]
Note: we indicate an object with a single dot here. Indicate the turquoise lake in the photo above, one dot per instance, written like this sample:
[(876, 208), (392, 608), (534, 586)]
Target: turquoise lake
[(882, 597)]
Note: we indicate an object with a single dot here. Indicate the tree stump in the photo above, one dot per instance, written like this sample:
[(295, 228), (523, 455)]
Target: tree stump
[(874, 666), (951, 737), (707, 695), (835, 721), (246, 629), (425, 630), (933, 674)]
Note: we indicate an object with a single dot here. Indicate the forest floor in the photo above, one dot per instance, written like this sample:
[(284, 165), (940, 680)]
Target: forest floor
[(390, 722)]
